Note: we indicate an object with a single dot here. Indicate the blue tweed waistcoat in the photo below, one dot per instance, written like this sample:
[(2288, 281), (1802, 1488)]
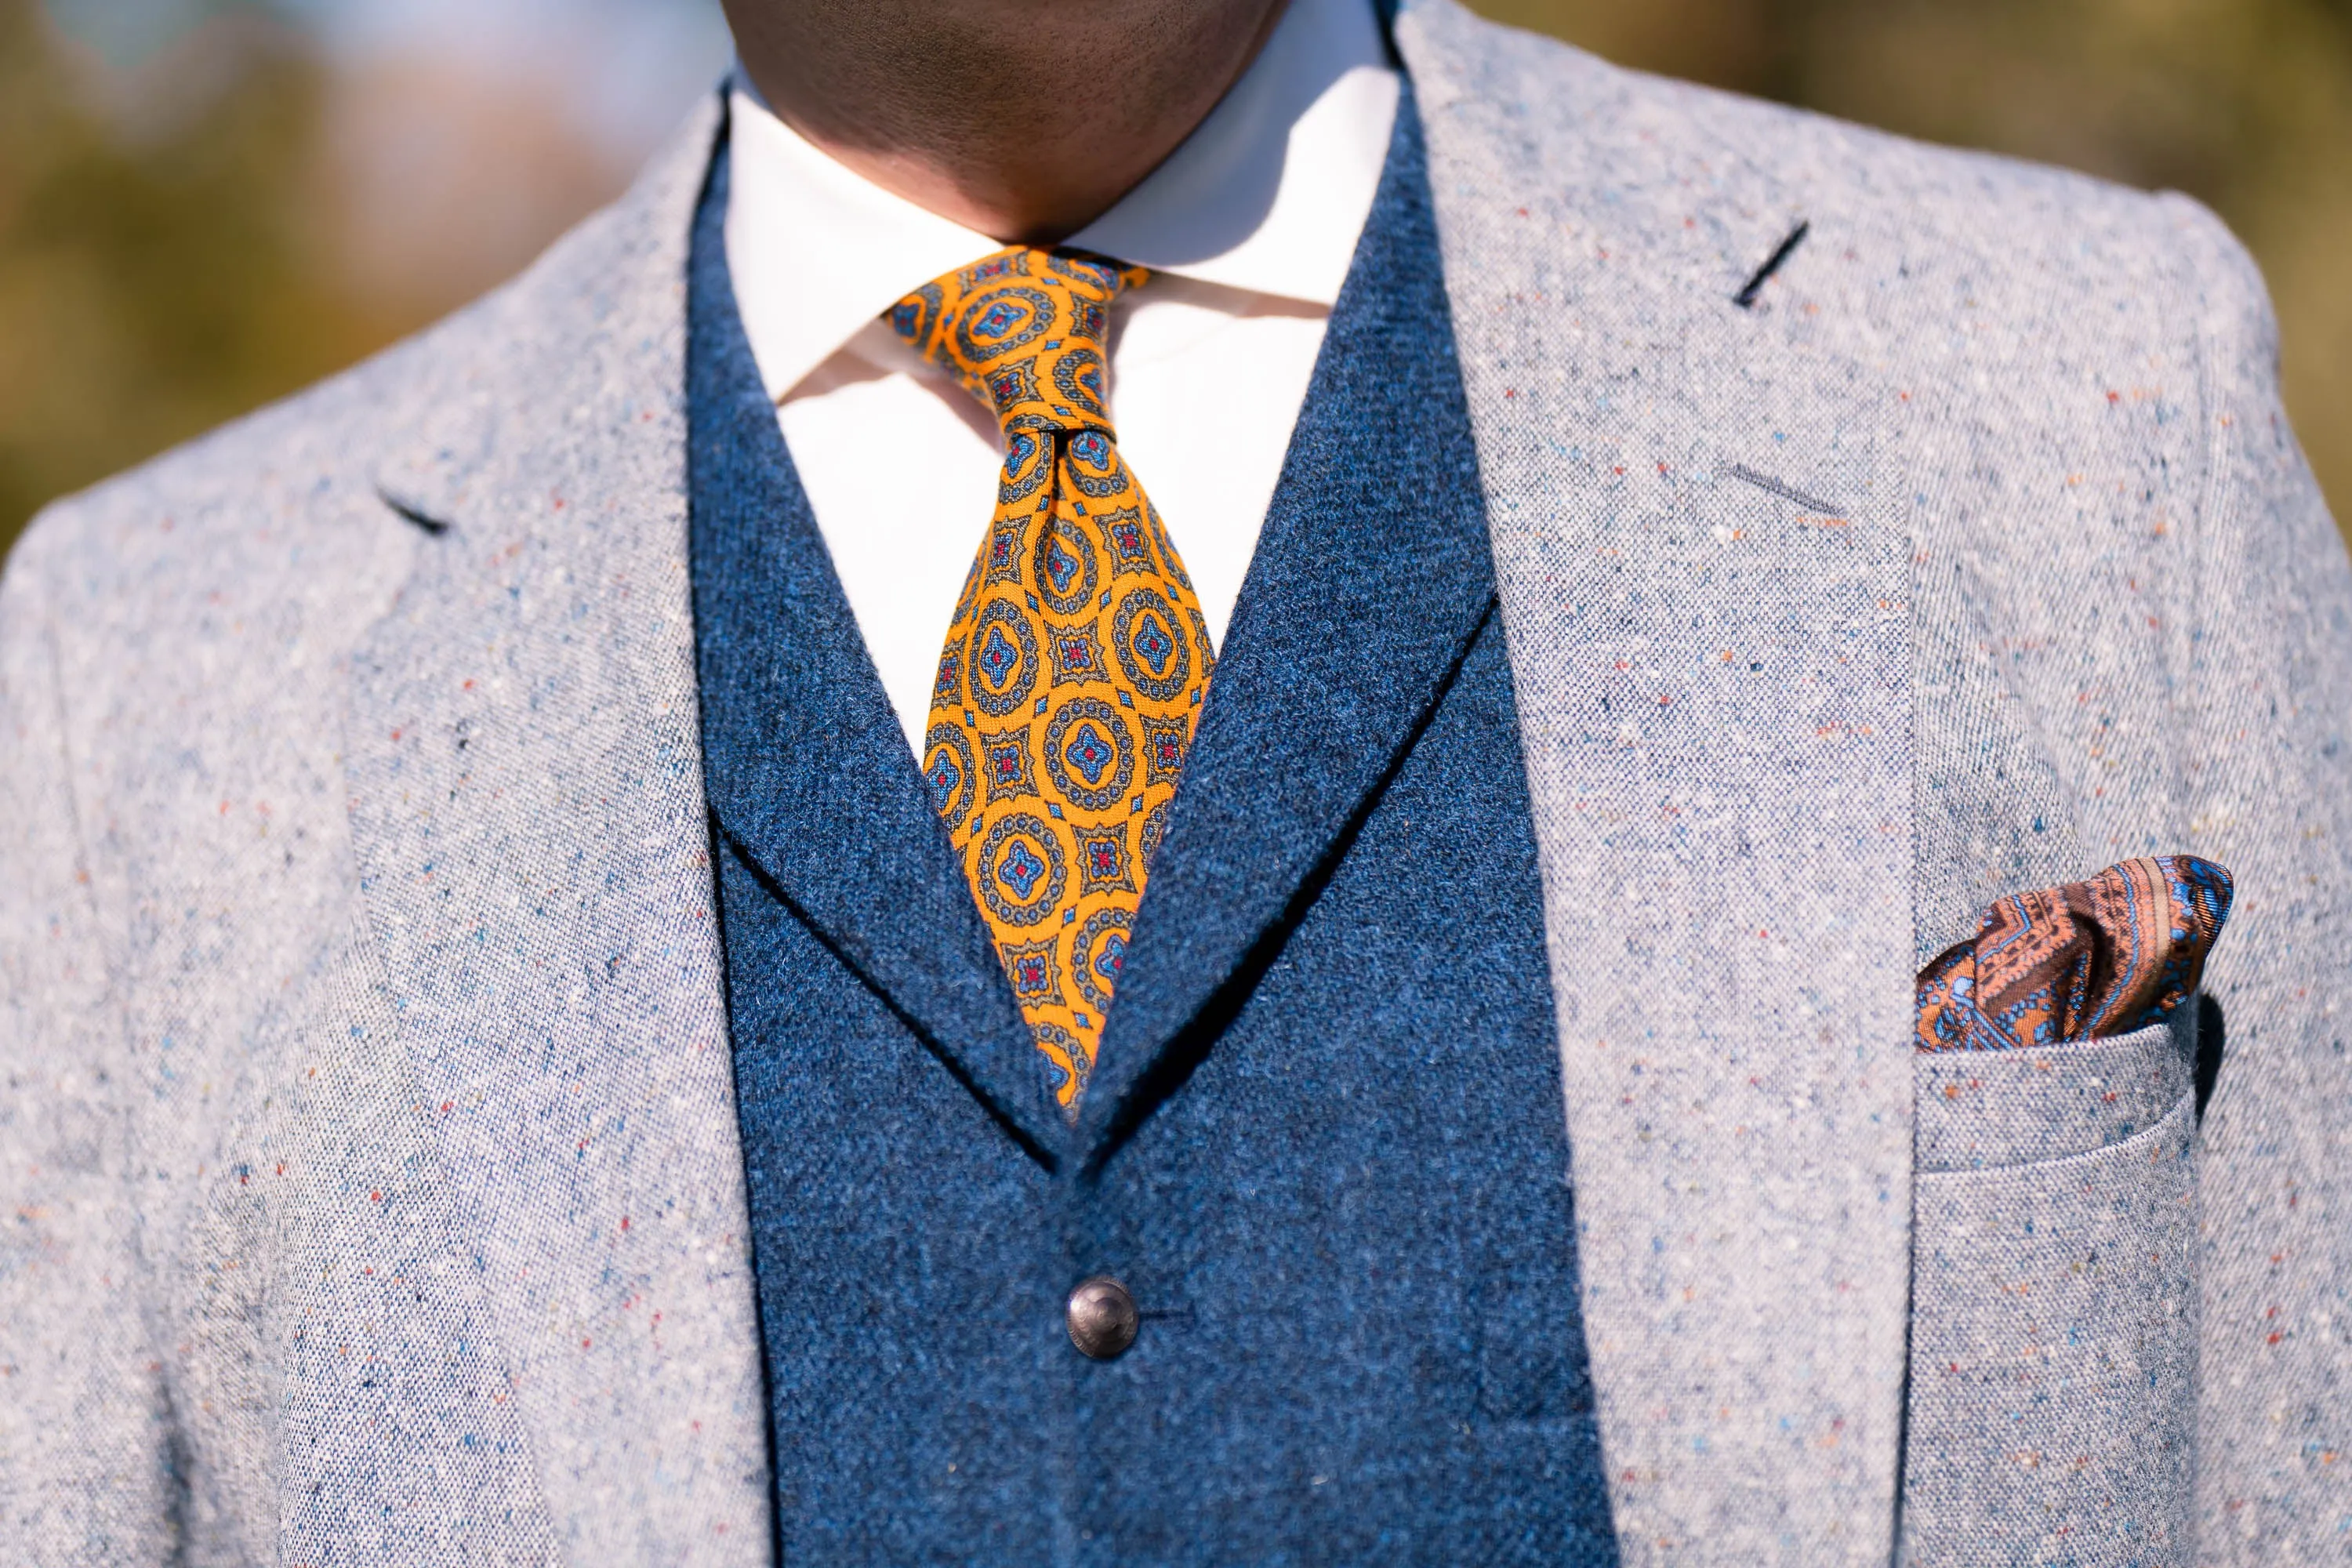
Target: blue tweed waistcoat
[(1324, 1146)]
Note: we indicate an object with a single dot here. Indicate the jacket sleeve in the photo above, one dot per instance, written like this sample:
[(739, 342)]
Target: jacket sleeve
[(85, 1464), (2266, 698)]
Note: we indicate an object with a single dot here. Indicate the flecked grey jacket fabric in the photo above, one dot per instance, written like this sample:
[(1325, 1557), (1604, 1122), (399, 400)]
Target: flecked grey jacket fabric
[(372, 1185)]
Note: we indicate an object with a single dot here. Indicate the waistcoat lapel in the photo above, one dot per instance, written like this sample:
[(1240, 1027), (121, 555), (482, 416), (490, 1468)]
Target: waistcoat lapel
[(528, 819), (1712, 681), (1371, 577), (809, 772)]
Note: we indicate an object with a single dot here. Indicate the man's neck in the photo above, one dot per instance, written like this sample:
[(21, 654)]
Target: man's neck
[(1021, 119)]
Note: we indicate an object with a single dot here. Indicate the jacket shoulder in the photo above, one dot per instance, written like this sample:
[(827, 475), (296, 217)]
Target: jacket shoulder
[(1646, 155), (220, 576), (280, 462), (260, 497)]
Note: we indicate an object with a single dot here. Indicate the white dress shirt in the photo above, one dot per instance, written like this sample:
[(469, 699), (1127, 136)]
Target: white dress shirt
[(1248, 228)]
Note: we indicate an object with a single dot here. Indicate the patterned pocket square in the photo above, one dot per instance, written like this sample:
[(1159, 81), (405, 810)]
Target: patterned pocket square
[(2079, 963)]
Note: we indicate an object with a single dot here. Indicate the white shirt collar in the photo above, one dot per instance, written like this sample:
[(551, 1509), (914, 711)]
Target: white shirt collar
[(1268, 196)]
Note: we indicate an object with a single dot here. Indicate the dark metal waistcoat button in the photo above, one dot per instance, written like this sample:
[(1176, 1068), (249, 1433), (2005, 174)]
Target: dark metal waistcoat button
[(1102, 1317)]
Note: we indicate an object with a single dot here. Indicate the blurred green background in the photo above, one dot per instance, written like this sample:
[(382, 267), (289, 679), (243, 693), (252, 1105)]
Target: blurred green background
[(204, 204)]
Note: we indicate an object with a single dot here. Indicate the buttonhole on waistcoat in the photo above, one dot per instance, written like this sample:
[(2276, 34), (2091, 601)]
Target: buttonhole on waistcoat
[(1789, 493), (2210, 1035), (430, 524), (1746, 298), (1176, 1317)]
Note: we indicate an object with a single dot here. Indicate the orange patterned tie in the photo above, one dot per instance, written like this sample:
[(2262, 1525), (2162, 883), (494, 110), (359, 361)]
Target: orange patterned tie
[(1077, 657)]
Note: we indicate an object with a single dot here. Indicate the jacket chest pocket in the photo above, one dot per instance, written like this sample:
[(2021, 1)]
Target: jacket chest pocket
[(2054, 1328)]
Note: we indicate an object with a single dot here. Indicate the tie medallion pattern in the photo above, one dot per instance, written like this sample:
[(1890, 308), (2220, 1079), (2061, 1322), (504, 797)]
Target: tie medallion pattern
[(1077, 658)]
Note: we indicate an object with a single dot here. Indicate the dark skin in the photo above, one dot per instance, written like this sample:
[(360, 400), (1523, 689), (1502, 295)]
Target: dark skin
[(1022, 119)]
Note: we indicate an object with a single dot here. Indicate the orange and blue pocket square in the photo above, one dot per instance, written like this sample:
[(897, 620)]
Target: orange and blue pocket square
[(2081, 962)]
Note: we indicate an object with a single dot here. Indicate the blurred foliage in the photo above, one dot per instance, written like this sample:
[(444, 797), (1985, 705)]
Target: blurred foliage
[(159, 260), (172, 248)]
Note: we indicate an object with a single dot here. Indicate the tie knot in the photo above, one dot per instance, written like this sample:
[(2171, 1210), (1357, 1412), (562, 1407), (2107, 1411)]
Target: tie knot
[(1024, 329)]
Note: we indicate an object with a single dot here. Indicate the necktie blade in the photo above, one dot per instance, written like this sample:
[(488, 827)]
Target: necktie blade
[(1077, 660)]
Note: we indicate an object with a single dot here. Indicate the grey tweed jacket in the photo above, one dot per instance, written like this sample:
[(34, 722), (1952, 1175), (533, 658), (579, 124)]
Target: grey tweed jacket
[(368, 1181)]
